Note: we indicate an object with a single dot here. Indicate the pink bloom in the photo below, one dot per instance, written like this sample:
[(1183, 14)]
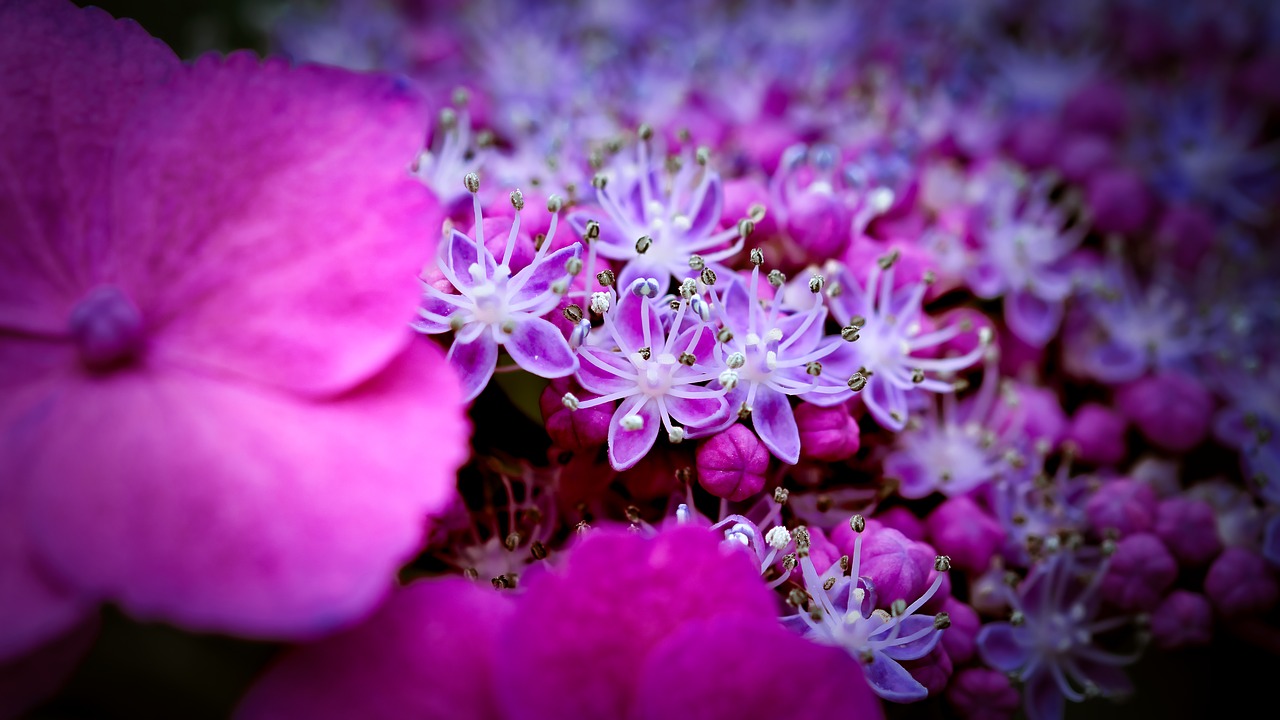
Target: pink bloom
[(211, 404), (427, 653)]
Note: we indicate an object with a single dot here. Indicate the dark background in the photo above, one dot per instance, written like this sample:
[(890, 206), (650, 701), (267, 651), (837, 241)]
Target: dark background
[(154, 671)]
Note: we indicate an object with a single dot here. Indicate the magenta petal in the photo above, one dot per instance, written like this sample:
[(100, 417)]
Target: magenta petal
[(999, 647), (629, 320), (775, 423), (886, 402), (275, 203), (577, 643), (1033, 320), (541, 276), (71, 79), (706, 209), (427, 653), (697, 412), (1116, 362), (237, 509), (736, 305), (474, 362), (537, 346), (1044, 699), (36, 608), (734, 685), (461, 253), (604, 382), (892, 682), (626, 447)]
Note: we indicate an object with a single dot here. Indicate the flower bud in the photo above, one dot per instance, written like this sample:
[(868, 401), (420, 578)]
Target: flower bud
[(1140, 573), (1240, 584), (731, 464), (1173, 410)]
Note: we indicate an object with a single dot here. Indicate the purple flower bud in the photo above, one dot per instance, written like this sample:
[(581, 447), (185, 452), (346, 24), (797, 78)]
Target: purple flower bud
[(1240, 583), (574, 429), (496, 230), (1119, 200), (1183, 618), (1189, 528), (1141, 571), (964, 531), (818, 224), (1098, 434), (1035, 411), (961, 639), (1085, 155), (1033, 141), (1173, 410), (731, 464), (1123, 505), (1099, 107), (981, 694), (900, 568), (1185, 233), (827, 434)]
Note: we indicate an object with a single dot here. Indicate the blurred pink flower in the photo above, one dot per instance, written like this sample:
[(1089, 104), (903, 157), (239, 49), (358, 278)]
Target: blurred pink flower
[(212, 411)]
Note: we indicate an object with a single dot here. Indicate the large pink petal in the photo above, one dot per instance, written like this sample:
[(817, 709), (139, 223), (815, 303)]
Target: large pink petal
[(234, 508), (266, 223), (69, 79), (427, 653)]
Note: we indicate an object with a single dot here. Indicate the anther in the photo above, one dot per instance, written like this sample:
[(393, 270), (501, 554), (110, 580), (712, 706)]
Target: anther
[(707, 276), (898, 607), (942, 563), (688, 359), (798, 598), (728, 379), (813, 368), (789, 561), (554, 204), (803, 542), (776, 278), (857, 322), (472, 182), (917, 375), (632, 422), (599, 180), (538, 550), (830, 583), (688, 288), (886, 261), (757, 256), (778, 537), (675, 435), (780, 495), (592, 231), (857, 381), (599, 303), (508, 327), (815, 284), (724, 335), (857, 523), (702, 155), (756, 212), (696, 262), (735, 360), (570, 401), (643, 243), (645, 131), (606, 278), (745, 228), (1016, 618), (645, 353), (941, 621), (849, 333), (573, 266), (517, 199), (632, 513), (572, 313), (512, 542)]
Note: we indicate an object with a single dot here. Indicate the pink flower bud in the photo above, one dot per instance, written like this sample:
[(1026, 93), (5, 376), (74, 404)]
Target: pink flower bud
[(1183, 618), (1240, 583), (1173, 410), (1123, 505), (1120, 201), (1098, 434), (827, 434), (1141, 571), (933, 670), (1185, 233), (1097, 107), (981, 694), (961, 639), (573, 429), (904, 521), (962, 530), (731, 464), (1189, 528)]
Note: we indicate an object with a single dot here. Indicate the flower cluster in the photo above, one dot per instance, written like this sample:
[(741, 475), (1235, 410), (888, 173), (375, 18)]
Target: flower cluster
[(820, 357)]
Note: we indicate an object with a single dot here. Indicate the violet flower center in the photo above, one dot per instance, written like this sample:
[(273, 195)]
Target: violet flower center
[(107, 328)]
